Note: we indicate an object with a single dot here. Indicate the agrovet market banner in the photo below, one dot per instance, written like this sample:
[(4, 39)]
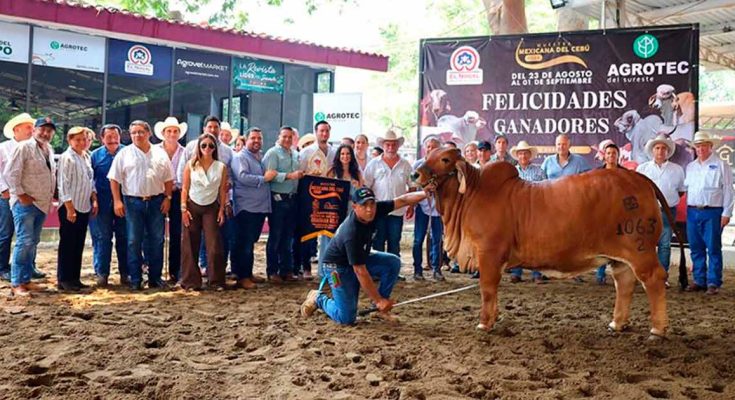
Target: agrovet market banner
[(626, 85)]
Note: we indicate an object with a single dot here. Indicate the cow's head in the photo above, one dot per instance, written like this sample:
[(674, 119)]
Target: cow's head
[(439, 166)]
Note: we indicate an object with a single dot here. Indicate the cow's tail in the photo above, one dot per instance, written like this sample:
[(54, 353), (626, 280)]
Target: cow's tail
[(683, 278)]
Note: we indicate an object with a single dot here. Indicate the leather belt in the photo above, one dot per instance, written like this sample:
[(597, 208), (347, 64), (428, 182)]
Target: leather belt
[(146, 198), (703, 207)]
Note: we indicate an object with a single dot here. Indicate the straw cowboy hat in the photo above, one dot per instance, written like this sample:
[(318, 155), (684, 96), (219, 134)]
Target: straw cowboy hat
[(704, 137), (390, 136), (306, 140), (23, 118), (225, 126), (169, 122), (523, 145), (664, 140)]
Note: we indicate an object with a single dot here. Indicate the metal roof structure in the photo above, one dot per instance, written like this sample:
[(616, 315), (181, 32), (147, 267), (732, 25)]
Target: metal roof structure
[(716, 20), (112, 22)]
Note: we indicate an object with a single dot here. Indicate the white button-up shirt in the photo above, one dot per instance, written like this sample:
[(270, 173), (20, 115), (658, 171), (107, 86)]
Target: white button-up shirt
[(709, 184), (141, 174), (76, 180), (32, 171), (388, 183), (669, 178), (312, 158), (6, 151), (175, 160)]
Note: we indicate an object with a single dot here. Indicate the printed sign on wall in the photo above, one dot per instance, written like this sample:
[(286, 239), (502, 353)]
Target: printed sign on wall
[(139, 60), (205, 68), (343, 111), (14, 42), (68, 50), (258, 75)]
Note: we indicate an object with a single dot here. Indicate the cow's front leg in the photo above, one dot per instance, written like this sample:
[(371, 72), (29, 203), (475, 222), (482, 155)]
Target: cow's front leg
[(489, 266)]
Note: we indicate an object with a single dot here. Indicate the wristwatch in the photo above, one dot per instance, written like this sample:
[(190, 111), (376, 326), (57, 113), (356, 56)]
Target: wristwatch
[(169, 197)]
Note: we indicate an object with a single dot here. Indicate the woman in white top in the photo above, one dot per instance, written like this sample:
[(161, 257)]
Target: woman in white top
[(361, 148), (79, 199), (203, 201)]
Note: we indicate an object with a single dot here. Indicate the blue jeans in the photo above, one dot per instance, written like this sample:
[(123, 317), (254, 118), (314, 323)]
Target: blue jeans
[(144, 220), (388, 229), (705, 240), (419, 233), (102, 227), (28, 221), (6, 234), (281, 223), (342, 306), (534, 274), (664, 242), (248, 225), (323, 244)]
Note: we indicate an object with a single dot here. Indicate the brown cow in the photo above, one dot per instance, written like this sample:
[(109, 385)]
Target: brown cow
[(497, 221)]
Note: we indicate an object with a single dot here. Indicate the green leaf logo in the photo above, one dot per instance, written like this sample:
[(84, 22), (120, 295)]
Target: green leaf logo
[(645, 46), (319, 116), (55, 45)]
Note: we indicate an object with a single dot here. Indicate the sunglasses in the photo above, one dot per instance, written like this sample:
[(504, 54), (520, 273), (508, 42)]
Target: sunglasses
[(207, 145)]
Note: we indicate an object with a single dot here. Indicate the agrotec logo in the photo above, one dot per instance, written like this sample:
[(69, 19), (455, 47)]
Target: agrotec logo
[(319, 116), (335, 116), (55, 45), (645, 46)]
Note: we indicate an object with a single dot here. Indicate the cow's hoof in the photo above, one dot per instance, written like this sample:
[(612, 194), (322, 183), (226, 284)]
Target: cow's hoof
[(483, 327), (615, 328), (656, 335)]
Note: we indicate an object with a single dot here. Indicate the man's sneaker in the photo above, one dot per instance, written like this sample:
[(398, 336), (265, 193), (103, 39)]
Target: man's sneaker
[(20, 291), (401, 278), (712, 290), (515, 279), (475, 275), (102, 281), (695, 288), (439, 277), (455, 269), (309, 305), (5, 276), (418, 277)]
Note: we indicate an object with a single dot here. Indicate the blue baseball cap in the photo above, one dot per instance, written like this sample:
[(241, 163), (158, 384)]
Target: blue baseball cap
[(362, 195), (45, 121)]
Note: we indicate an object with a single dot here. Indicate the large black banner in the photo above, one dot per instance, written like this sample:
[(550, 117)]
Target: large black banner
[(626, 85), (322, 204)]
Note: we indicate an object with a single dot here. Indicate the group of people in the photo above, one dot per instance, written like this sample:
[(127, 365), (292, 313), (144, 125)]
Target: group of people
[(213, 197), (215, 194)]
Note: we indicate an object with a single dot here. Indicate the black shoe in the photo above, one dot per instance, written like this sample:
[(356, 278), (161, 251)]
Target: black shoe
[(36, 274), (418, 277), (5, 275), (475, 275), (159, 284), (402, 278), (136, 287), (455, 269), (439, 277), (124, 281), (67, 287), (80, 285)]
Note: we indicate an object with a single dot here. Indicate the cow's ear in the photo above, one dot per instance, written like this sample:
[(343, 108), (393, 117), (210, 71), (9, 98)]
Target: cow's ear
[(461, 165)]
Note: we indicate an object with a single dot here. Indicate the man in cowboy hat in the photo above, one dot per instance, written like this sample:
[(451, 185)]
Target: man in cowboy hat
[(31, 178), (389, 177), (709, 208), (523, 153), (170, 132), (227, 134), (305, 141), (669, 178), (17, 129)]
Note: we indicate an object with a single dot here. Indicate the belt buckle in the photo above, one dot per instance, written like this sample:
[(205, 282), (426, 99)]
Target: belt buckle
[(146, 198), (700, 207)]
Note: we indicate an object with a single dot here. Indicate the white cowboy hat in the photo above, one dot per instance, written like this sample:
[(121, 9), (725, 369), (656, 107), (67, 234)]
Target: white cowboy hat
[(234, 133), (661, 139), (704, 137), (306, 140), (390, 136), (169, 122), (23, 118), (523, 145)]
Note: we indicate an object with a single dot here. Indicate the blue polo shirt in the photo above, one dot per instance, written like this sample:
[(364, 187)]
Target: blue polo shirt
[(576, 165), (101, 160)]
